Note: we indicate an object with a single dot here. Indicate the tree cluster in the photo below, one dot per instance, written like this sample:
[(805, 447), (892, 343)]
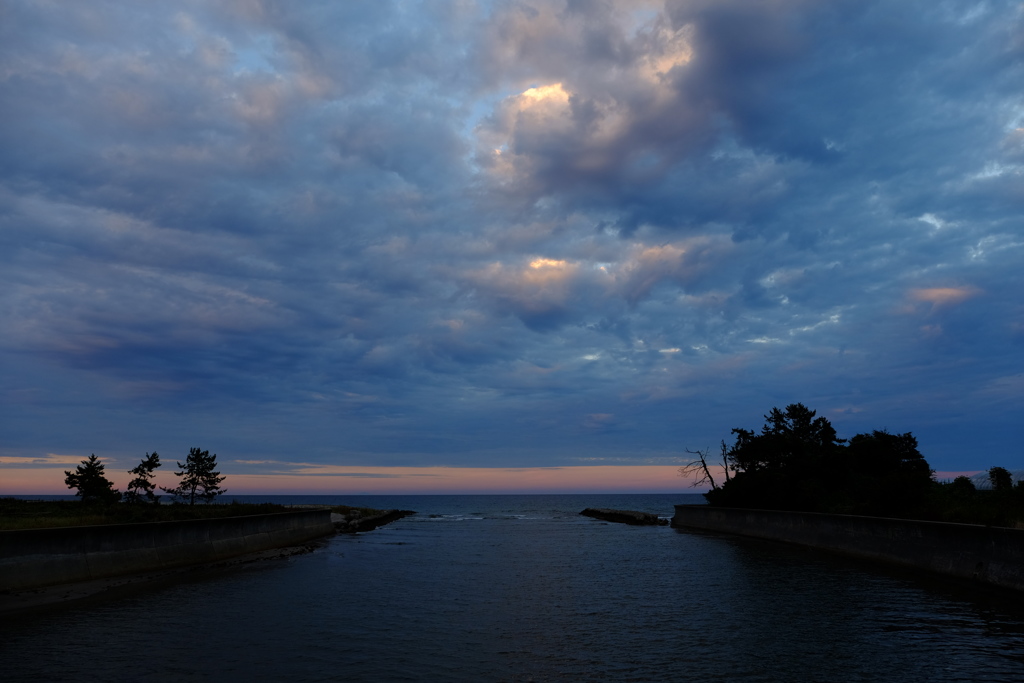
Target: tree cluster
[(199, 480), (797, 462)]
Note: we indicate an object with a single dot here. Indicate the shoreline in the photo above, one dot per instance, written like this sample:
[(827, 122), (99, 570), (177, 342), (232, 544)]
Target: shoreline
[(29, 600)]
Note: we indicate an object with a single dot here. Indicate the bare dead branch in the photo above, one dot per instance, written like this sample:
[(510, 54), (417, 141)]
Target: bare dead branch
[(725, 461), (699, 466)]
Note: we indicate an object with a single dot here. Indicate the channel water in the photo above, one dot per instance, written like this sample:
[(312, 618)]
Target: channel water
[(522, 588)]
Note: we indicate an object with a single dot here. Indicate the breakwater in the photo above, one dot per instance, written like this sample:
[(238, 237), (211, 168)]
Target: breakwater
[(31, 558), (361, 519), (625, 516), (991, 555)]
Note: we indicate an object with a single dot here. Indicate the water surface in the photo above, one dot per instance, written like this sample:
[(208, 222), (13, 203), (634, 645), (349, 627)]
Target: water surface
[(520, 588)]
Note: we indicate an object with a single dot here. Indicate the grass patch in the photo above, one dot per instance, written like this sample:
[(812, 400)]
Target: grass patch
[(43, 514), (991, 508)]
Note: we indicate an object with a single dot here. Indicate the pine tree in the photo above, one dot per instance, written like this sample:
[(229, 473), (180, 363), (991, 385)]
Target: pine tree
[(141, 487), (198, 478), (92, 485)]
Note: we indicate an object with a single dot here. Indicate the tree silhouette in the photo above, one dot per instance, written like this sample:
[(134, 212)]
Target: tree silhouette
[(886, 473), (962, 487), (91, 483), (1000, 478), (790, 464), (198, 478), (141, 487)]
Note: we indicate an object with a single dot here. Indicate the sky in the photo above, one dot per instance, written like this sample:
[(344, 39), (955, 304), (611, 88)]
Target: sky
[(514, 245)]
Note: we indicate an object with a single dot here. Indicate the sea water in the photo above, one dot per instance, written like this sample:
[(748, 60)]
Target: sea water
[(522, 588)]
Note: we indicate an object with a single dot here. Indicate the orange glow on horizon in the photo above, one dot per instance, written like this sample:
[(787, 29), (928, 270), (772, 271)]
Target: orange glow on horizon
[(337, 480), (340, 480)]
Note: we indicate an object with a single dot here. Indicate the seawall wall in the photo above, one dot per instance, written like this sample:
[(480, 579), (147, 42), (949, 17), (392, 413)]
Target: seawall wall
[(991, 555), (31, 558)]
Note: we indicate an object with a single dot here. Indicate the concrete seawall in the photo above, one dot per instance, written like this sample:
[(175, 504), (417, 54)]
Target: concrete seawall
[(32, 558), (992, 555)]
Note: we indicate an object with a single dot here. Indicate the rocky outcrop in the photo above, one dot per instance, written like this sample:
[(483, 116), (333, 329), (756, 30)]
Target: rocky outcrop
[(625, 516), (352, 520)]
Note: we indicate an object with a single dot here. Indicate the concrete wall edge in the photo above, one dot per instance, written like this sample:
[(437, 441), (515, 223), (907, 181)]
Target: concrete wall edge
[(990, 555), (34, 558)]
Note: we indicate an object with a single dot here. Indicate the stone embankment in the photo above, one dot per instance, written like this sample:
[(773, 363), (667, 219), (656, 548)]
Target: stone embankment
[(625, 516), (31, 558), (990, 555)]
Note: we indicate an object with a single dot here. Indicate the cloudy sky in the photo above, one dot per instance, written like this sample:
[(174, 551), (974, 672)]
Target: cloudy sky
[(374, 246)]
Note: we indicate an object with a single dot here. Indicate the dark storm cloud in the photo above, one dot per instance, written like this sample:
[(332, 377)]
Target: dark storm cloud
[(509, 233)]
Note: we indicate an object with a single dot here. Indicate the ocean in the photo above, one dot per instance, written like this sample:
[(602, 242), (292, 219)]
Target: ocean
[(522, 588)]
